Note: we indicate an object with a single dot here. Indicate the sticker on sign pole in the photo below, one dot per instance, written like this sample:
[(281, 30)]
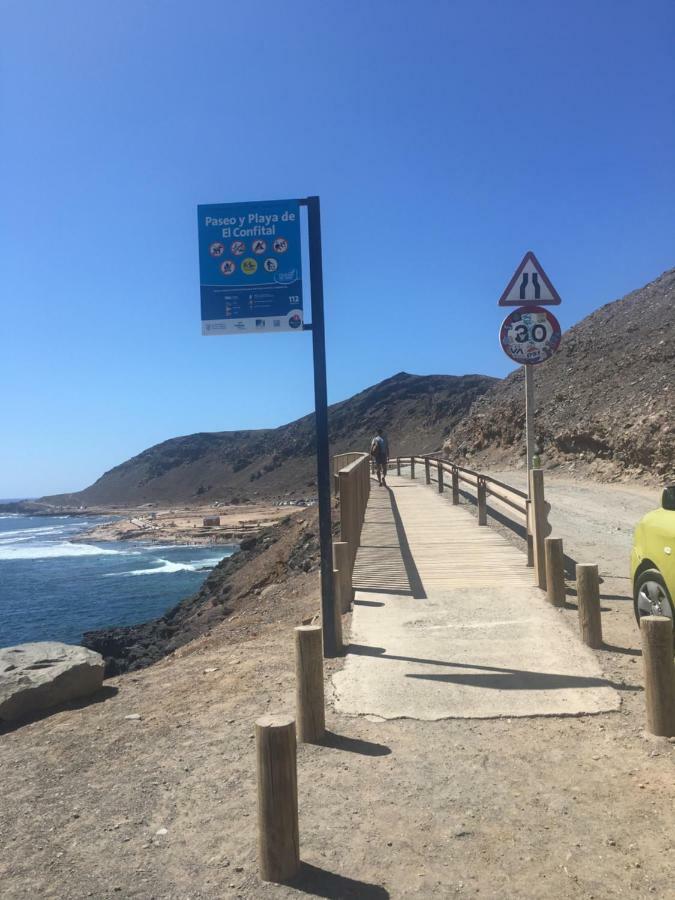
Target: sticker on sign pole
[(530, 335), (530, 284)]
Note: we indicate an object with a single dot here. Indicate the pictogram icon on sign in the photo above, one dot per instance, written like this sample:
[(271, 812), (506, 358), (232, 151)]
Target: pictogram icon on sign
[(530, 284), (271, 265), (238, 248), (280, 245), (227, 267), (259, 246), (249, 266)]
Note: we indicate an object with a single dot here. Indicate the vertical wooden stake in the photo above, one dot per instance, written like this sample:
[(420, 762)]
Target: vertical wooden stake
[(538, 508), (337, 592), (482, 502), (455, 487), (398, 465), (528, 521), (657, 652), (555, 571), (412, 466), (342, 563), (427, 470), (440, 477), (588, 600), (309, 699), (278, 834)]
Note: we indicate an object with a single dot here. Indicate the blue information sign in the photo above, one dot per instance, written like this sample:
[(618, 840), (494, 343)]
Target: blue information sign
[(250, 267)]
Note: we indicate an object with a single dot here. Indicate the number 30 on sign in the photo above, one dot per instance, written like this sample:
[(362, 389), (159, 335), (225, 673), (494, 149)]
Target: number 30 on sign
[(530, 335)]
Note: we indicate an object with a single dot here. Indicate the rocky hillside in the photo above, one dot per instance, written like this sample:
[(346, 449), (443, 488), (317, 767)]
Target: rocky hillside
[(418, 412), (605, 401)]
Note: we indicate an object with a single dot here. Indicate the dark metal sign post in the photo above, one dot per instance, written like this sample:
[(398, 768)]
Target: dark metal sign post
[(250, 275), (321, 412)]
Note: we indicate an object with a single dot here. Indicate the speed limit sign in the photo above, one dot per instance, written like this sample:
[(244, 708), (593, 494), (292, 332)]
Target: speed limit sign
[(530, 335)]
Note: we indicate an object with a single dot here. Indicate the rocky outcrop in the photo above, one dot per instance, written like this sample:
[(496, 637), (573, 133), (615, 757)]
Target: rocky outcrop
[(266, 559), (37, 677)]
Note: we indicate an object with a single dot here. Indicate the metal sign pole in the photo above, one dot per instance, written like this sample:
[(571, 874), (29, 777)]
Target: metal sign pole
[(321, 411), (529, 414)]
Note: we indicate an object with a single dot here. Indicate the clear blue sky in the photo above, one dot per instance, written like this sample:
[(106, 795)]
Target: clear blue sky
[(444, 138)]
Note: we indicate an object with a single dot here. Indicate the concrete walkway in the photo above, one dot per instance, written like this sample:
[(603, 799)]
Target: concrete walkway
[(447, 622)]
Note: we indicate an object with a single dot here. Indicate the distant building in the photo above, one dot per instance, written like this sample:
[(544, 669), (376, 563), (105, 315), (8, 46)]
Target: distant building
[(211, 520)]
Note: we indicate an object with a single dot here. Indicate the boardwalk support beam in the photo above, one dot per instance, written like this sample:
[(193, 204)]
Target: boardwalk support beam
[(440, 477)]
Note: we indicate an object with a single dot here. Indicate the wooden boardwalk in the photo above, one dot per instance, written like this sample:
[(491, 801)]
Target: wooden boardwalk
[(448, 622), (441, 544)]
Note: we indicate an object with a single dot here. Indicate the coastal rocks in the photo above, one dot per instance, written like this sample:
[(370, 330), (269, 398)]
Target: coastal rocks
[(36, 677)]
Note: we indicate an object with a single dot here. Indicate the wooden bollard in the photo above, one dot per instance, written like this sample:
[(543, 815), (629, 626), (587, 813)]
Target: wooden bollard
[(440, 477), (337, 594), (427, 471), (538, 525), (588, 601), (412, 466), (455, 487), (530, 543), (657, 652), (276, 763), (341, 562), (482, 502), (555, 571), (398, 465), (309, 699)]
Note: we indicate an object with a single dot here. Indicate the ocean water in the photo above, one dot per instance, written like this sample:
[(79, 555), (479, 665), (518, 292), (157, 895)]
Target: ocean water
[(52, 588)]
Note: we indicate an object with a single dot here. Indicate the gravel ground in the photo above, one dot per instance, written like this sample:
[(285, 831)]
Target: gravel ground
[(163, 806)]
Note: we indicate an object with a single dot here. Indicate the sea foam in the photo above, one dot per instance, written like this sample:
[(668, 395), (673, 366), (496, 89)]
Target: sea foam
[(51, 551)]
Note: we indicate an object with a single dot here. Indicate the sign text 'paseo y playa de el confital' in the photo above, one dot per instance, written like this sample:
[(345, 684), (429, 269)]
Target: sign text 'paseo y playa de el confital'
[(250, 267)]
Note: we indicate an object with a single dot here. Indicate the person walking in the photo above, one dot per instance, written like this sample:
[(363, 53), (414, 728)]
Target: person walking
[(379, 453)]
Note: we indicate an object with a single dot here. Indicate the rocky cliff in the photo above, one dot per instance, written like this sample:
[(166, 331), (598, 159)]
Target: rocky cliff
[(605, 401)]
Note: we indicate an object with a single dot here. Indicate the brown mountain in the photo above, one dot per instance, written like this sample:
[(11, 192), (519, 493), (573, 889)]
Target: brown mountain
[(606, 400), (417, 411)]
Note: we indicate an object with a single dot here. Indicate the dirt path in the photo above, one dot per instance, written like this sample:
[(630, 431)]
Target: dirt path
[(97, 805)]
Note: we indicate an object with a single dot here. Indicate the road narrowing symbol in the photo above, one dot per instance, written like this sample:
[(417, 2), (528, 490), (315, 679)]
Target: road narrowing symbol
[(530, 335), (530, 284)]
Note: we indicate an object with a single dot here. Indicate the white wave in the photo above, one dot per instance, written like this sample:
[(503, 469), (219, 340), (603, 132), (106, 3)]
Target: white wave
[(33, 532), (49, 551), (167, 567)]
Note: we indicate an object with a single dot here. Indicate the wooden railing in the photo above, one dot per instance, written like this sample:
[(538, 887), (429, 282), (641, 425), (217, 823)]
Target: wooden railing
[(529, 511), (340, 460), (354, 490)]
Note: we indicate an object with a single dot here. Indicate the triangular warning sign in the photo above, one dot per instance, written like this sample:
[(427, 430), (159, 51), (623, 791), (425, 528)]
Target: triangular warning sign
[(529, 286)]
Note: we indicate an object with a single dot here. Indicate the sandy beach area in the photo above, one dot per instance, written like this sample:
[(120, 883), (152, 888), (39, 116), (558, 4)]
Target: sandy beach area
[(186, 525)]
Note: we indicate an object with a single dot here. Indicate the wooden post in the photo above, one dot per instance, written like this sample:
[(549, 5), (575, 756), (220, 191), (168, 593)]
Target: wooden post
[(555, 571), (337, 593), (455, 486), (412, 466), (588, 601), (482, 501), (440, 477), (427, 470), (278, 834), (657, 653), (398, 465), (538, 525), (528, 528), (309, 700), (342, 564)]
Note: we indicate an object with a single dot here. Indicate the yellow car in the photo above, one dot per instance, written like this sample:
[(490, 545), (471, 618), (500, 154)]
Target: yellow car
[(653, 560)]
